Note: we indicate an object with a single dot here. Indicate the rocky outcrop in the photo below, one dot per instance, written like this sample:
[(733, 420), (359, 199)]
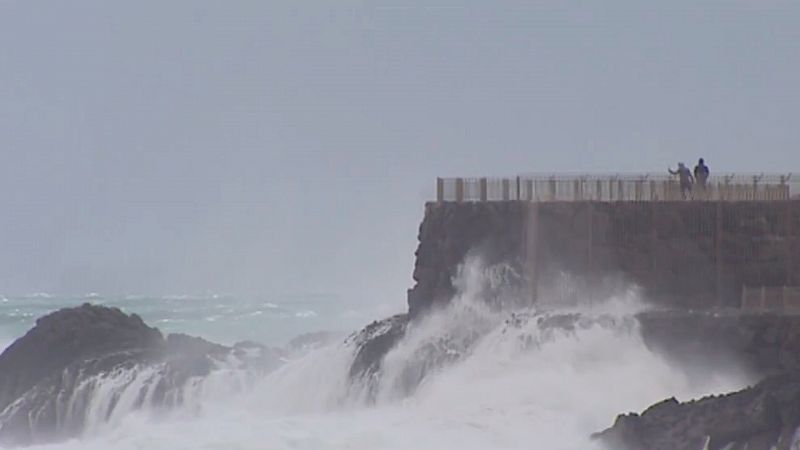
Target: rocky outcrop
[(763, 417), (49, 377), (69, 335), (372, 343)]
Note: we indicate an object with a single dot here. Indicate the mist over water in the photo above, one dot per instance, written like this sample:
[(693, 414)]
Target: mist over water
[(468, 376)]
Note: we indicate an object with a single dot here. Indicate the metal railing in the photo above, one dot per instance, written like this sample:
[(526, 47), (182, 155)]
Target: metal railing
[(771, 298), (648, 187)]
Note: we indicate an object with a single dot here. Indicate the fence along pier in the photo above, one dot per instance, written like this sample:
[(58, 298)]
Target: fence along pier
[(607, 188)]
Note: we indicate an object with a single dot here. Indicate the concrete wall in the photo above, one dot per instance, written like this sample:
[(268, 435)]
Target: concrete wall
[(683, 253)]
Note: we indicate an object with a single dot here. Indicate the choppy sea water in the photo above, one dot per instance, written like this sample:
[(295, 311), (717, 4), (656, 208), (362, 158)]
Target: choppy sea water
[(223, 319), (503, 387)]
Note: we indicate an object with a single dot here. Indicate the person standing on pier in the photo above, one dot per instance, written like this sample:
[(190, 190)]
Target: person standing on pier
[(701, 174), (685, 177)]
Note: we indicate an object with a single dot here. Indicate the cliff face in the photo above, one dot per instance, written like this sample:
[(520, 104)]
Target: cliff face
[(449, 231), (684, 254)]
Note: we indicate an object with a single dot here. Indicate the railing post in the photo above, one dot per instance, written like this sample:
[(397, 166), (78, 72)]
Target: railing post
[(718, 253), (484, 190), (589, 238), (653, 193), (789, 238), (784, 189), (599, 189), (439, 190), (519, 189), (506, 189), (459, 190), (552, 188), (620, 191), (529, 183), (727, 188), (611, 190)]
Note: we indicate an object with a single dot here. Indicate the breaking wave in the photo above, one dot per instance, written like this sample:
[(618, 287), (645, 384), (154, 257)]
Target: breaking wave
[(469, 376)]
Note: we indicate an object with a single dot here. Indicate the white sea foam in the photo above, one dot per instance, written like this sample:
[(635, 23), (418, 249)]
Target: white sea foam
[(467, 377)]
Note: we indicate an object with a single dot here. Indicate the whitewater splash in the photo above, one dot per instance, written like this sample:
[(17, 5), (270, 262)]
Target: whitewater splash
[(469, 376)]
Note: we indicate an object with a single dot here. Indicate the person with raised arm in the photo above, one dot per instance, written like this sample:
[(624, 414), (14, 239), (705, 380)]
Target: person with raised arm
[(686, 179)]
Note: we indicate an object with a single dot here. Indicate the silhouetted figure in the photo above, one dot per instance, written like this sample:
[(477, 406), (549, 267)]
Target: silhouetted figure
[(701, 174), (685, 177)]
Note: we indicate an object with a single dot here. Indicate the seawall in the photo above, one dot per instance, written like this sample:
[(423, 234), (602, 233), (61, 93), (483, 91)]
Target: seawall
[(687, 254)]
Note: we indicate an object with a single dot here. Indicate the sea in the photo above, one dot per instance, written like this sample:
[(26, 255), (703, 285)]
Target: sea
[(508, 383)]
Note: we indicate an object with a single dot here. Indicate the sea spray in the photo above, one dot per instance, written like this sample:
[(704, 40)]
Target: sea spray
[(528, 382), (470, 376)]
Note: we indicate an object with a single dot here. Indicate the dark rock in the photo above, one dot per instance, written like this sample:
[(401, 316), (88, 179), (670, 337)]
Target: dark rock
[(373, 342), (758, 418), (66, 336), (49, 376), (761, 417)]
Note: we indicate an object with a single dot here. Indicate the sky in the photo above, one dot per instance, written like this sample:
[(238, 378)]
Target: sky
[(270, 147)]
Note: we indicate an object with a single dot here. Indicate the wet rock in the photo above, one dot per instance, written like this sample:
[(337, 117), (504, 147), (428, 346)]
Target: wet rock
[(69, 335), (373, 342), (761, 417), (49, 376)]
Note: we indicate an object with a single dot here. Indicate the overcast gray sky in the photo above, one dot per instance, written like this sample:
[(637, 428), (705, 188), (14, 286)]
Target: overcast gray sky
[(252, 147)]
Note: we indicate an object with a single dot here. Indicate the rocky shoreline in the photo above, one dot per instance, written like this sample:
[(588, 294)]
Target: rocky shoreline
[(44, 374), (760, 417), (48, 376)]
